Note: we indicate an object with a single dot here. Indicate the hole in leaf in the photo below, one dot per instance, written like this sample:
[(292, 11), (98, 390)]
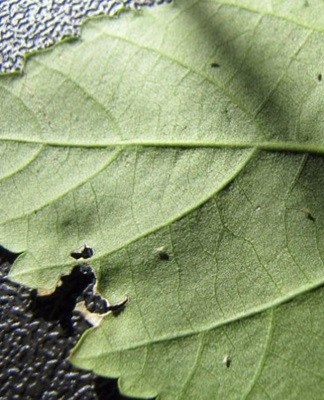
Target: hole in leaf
[(106, 389), (59, 305), (7, 256), (117, 308), (84, 252), (44, 358), (76, 292)]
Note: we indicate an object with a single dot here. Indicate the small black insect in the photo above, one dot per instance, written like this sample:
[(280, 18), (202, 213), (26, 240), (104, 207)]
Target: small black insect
[(309, 215), (84, 252), (162, 253), (227, 361), (319, 77), (214, 65)]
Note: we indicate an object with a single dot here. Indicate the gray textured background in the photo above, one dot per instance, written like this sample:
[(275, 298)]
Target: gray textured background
[(30, 25)]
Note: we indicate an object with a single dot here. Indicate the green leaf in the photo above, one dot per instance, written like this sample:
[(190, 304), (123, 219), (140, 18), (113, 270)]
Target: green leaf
[(196, 127)]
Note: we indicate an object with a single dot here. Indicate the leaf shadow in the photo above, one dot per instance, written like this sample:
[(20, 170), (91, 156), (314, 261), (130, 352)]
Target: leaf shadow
[(244, 70)]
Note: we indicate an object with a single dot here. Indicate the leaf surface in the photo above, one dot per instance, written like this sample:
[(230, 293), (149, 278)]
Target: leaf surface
[(196, 127)]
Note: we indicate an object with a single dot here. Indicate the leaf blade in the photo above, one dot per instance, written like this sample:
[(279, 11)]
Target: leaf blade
[(195, 169)]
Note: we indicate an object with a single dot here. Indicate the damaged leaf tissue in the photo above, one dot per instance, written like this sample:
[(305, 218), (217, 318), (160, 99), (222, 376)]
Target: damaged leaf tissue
[(38, 333)]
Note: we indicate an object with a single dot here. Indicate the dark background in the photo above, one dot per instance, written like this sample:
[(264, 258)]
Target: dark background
[(37, 335)]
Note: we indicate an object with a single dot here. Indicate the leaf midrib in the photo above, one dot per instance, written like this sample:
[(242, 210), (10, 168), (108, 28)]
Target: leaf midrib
[(262, 145), (276, 146), (156, 227), (269, 146)]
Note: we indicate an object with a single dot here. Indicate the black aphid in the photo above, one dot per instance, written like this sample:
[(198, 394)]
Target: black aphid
[(214, 65), (162, 253), (311, 217), (227, 361)]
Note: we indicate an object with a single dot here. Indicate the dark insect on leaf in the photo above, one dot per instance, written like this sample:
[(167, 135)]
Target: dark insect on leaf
[(162, 254), (227, 361), (309, 215)]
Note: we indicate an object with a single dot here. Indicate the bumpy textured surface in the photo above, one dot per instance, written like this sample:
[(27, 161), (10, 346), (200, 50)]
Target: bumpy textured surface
[(36, 336), (30, 25)]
